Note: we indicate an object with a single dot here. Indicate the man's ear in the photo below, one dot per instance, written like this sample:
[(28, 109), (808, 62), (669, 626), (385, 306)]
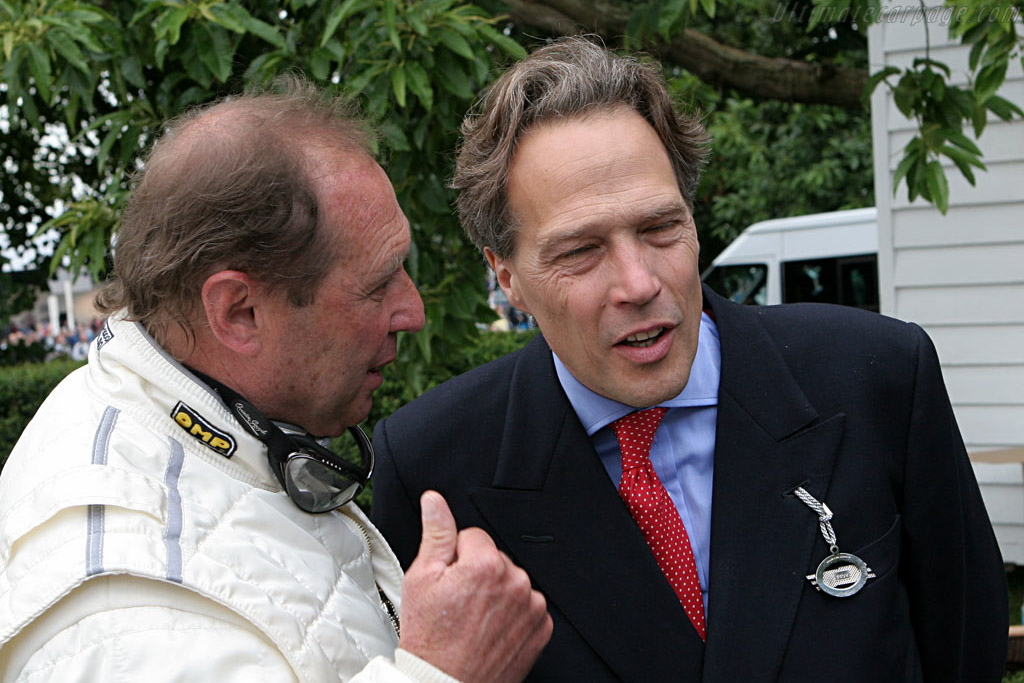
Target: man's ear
[(230, 298), (508, 280)]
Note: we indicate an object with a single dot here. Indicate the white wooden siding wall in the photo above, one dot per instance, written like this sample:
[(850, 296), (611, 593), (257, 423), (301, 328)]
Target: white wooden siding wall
[(960, 276)]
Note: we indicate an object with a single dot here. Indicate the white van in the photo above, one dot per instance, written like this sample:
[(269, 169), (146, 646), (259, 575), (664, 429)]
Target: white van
[(824, 257)]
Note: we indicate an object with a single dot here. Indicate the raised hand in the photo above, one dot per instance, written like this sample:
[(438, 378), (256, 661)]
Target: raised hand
[(466, 607)]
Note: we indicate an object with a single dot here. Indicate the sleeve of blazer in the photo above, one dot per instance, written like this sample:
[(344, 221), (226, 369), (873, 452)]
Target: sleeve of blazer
[(951, 563), (399, 518)]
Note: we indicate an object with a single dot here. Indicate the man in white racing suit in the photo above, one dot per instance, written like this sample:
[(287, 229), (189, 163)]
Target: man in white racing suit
[(168, 513)]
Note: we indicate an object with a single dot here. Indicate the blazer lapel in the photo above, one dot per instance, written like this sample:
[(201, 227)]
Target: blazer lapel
[(769, 441), (554, 507)]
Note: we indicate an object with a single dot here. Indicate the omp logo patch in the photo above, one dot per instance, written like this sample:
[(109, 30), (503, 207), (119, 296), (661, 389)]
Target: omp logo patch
[(104, 336), (200, 429)]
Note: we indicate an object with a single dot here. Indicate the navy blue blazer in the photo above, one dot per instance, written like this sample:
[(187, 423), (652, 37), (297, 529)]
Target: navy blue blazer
[(848, 404)]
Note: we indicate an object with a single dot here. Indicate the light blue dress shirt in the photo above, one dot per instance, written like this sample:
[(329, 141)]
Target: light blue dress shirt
[(683, 453)]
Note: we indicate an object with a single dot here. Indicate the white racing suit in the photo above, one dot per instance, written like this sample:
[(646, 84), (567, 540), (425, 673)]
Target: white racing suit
[(144, 537)]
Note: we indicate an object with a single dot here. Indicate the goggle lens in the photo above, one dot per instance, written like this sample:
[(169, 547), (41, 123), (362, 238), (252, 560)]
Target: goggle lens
[(316, 487)]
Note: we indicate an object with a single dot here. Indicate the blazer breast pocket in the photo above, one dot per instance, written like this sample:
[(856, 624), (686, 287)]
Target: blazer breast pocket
[(882, 554)]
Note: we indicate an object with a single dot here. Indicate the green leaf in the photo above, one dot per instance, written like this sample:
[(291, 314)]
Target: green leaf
[(973, 33), (231, 16), (961, 140), (106, 145), (709, 7), (979, 119), (320, 64), (989, 79), (507, 45), (88, 14), (878, 77), (263, 30), (976, 50), (66, 48), (466, 25), (931, 64), (416, 21), (169, 24), (189, 96), (959, 158), (340, 14), (132, 70), (395, 137), (433, 200), (39, 67), (83, 35), (336, 49), (950, 116), (1003, 108), (933, 135), (906, 93), (215, 49), (398, 85), (456, 43), (419, 83), (453, 78), (390, 25), (160, 52), (959, 155), (938, 186), (963, 100), (193, 63), (670, 13), (423, 342), (130, 145), (62, 249), (71, 110), (419, 134), (359, 82), (82, 87), (909, 159), (28, 108)]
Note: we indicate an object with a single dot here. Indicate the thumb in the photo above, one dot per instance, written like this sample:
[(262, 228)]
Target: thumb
[(439, 531)]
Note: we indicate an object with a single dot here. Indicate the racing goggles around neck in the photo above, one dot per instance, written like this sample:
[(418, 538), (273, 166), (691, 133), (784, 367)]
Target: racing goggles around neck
[(316, 479)]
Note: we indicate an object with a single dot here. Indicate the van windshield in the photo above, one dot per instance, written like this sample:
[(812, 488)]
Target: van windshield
[(847, 280), (744, 284)]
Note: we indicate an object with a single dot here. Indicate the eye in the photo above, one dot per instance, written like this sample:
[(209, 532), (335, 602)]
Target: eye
[(380, 290), (662, 227), (577, 252), (663, 233)]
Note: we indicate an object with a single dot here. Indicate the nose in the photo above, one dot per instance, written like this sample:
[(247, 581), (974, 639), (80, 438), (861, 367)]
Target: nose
[(408, 315), (635, 281)]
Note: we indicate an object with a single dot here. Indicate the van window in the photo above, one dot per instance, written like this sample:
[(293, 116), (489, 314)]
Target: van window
[(850, 281), (744, 284)]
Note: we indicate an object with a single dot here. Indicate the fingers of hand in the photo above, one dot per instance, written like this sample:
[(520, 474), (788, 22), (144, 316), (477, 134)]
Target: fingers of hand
[(440, 535), (476, 616)]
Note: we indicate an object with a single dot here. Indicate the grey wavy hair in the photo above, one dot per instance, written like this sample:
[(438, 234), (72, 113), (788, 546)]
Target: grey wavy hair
[(228, 186), (568, 78)]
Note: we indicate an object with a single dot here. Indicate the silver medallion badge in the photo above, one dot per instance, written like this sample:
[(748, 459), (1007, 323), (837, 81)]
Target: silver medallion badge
[(840, 574)]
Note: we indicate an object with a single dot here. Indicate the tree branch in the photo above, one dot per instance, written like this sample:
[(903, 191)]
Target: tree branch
[(713, 62)]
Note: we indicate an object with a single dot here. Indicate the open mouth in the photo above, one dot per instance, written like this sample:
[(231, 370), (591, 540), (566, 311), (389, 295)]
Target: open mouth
[(643, 339)]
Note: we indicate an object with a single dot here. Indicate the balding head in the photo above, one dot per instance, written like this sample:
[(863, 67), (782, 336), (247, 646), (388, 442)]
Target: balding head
[(231, 186)]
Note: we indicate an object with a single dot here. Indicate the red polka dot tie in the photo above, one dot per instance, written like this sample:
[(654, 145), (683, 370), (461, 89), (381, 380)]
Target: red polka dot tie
[(654, 511)]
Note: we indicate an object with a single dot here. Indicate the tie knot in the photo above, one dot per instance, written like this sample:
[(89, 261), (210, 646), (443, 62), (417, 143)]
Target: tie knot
[(635, 433)]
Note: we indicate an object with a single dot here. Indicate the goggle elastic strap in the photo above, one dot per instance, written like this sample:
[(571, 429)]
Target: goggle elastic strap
[(282, 446)]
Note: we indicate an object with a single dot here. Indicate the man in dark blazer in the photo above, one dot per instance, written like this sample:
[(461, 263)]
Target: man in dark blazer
[(576, 178)]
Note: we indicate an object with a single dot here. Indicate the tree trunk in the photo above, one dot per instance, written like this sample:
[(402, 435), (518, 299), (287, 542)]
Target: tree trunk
[(714, 63)]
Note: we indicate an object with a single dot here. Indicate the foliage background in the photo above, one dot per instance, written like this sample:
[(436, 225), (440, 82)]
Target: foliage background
[(86, 84)]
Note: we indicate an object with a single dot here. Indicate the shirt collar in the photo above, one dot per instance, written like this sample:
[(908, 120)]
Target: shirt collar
[(596, 411)]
